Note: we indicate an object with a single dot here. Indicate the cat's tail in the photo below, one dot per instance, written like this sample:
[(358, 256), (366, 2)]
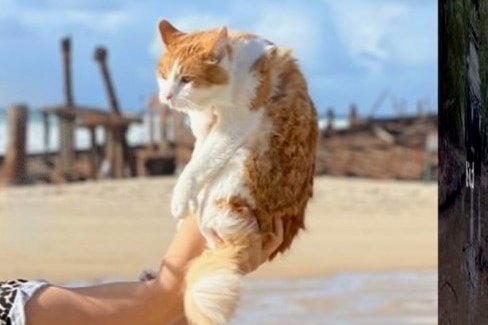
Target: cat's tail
[(213, 285)]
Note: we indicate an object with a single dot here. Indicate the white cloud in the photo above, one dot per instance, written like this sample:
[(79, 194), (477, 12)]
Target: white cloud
[(394, 39), (375, 32), (94, 21), (49, 18), (293, 25), (187, 23)]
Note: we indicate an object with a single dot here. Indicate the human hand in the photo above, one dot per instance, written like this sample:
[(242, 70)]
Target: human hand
[(273, 242)]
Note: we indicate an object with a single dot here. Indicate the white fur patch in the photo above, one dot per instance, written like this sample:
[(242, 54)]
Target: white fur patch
[(218, 161), (229, 180), (169, 85)]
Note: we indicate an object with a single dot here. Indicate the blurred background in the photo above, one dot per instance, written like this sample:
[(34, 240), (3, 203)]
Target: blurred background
[(88, 157)]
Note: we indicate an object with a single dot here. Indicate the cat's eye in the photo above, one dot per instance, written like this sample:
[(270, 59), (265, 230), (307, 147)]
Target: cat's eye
[(185, 79)]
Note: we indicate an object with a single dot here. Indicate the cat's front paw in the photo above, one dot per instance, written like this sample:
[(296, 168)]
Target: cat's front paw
[(193, 204), (184, 201), (179, 206)]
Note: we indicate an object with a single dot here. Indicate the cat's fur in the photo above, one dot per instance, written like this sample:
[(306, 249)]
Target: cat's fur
[(256, 163)]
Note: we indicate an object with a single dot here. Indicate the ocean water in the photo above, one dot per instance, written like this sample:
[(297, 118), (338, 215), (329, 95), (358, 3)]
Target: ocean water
[(353, 298), (137, 134), (386, 298)]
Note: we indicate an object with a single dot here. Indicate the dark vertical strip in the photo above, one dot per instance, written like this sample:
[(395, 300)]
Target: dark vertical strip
[(463, 240)]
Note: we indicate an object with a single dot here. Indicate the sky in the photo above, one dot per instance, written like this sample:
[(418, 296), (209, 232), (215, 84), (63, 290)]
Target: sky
[(351, 51)]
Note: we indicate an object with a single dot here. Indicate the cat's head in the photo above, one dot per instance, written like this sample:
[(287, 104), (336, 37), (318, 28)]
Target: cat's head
[(192, 72)]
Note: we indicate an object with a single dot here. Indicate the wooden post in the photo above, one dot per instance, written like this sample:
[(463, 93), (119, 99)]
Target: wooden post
[(353, 115), (100, 57), (93, 153), (117, 153), (47, 132), (66, 124), (68, 89), (150, 121), (330, 120), (107, 164), (14, 169)]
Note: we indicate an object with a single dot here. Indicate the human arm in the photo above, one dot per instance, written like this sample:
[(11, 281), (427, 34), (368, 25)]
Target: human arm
[(158, 301), (124, 303)]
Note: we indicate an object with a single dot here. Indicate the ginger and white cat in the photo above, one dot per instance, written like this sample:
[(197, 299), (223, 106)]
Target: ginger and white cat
[(252, 163)]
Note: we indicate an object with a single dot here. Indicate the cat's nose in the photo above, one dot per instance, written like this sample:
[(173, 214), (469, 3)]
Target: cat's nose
[(169, 96)]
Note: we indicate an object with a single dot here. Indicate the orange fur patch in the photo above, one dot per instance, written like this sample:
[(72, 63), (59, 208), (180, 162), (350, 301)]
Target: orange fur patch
[(280, 179), (193, 52)]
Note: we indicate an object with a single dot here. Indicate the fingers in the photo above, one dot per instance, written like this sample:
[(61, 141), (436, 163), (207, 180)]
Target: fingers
[(265, 247)]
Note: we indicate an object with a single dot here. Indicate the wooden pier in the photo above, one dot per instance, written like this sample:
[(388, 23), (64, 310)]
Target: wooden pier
[(401, 147), (120, 161)]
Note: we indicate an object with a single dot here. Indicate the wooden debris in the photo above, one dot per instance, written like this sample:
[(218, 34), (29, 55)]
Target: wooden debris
[(381, 148)]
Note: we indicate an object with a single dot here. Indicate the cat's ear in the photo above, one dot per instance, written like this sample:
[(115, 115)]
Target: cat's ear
[(168, 32), (220, 42)]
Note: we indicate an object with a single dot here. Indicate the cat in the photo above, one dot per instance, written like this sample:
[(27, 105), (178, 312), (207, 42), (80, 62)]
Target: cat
[(256, 134)]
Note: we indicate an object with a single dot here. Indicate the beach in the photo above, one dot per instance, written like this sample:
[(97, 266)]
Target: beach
[(371, 240)]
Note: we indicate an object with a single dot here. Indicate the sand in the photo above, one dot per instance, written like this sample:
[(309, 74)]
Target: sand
[(116, 228)]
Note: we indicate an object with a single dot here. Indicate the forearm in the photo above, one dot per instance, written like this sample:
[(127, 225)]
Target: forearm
[(147, 298), (117, 303)]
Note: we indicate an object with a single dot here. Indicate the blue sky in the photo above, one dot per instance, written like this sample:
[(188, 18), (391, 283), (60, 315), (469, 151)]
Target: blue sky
[(350, 50)]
